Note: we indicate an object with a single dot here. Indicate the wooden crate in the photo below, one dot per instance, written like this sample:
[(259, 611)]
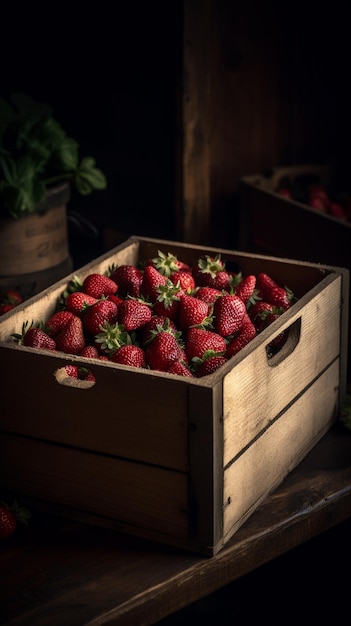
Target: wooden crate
[(178, 460), (273, 224)]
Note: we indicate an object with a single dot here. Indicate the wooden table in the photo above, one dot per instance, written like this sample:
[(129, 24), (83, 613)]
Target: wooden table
[(62, 572)]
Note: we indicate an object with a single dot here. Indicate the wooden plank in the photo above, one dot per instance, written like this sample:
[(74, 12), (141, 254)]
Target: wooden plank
[(257, 389), (279, 448), (94, 484)]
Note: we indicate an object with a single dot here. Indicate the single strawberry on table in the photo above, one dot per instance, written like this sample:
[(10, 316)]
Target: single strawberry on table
[(10, 517)]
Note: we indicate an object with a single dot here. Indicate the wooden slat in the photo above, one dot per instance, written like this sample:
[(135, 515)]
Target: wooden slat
[(94, 484), (265, 464)]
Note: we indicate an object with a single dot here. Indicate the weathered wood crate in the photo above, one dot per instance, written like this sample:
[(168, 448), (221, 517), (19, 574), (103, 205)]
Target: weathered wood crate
[(273, 224), (178, 460)]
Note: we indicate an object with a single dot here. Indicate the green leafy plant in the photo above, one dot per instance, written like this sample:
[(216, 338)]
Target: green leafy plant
[(35, 155)]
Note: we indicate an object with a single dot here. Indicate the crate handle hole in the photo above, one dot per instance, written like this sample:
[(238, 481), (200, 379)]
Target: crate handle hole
[(283, 344), (63, 378)]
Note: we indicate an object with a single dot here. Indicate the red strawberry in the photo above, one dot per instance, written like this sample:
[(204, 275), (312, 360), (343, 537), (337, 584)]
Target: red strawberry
[(71, 338), (180, 368), (286, 193), (133, 314), (72, 371), (157, 323), (57, 321), (131, 355), (152, 279), (167, 301), (245, 334), (209, 365), (229, 311), (80, 373), (210, 272), (162, 351), (90, 352), (128, 279), (99, 313), (199, 341), (337, 210), (78, 302), (272, 292), (168, 263), (184, 279), (111, 337), (114, 298), (98, 285), (5, 308), (11, 296), (10, 516), (38, 338), (8, 300), (192, 312), (258, 313), (207, 294), (318, 197), (246, 288)]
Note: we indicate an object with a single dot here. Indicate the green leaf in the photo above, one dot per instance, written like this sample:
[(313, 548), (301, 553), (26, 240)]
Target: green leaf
[(88, 177)]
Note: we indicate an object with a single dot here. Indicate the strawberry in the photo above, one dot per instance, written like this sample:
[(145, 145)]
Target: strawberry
[(209, 365), (229, 311), (285, 192), (97, 314), (128, 279), (98, 285), (162, 351), (167, 301), (80, 373), (210, 272), (273, 293), (131, 355), (114, 298), (318, 197), (90, 352), (8, 300), (246, 288), (152, 279), (337, 210), (57, 321), (193, 312), (71, 338), (258, 314), (10, 516), (133, 314), (207, 294), (180, 368), (78, 302), (168, 263), (5, 308), (157, 323), (38, 338), (111, 337), (200, 340), (184, 279), (245, 334)]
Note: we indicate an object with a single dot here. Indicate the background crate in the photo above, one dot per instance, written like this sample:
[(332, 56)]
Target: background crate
[(178, 460), (273, 224)]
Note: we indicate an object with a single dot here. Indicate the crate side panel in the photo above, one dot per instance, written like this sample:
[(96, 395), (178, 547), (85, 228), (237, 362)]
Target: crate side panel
[(256, 391), (265, 464), (206, 463), (123, 491), (126, 413)]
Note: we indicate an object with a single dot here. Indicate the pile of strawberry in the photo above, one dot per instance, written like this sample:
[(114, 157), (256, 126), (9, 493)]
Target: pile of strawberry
[(167, 316), (319, 198)]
